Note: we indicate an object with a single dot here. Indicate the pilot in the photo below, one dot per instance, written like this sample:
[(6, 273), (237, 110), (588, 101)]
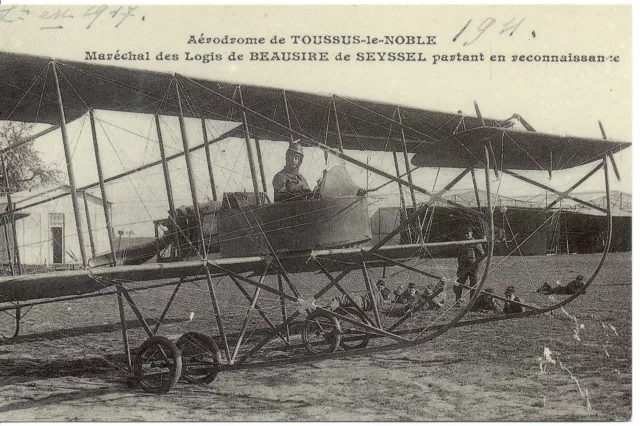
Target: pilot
[(288, 183)]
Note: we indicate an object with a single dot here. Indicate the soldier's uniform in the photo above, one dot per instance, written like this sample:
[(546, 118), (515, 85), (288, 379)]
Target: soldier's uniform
[(485, 302), (468, 263), (288, 183), (545, 289), (512, 308), (574, 287), (380, 295), (434, 295), (409, 295)]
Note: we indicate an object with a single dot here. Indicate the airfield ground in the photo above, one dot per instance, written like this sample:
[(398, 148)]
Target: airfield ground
[(67, 366)]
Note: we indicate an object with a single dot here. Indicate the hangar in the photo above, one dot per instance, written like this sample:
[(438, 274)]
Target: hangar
[(569, 228)]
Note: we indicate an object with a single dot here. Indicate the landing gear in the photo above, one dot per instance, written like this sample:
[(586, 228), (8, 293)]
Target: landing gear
[(321, 334), (201, 358), (353, 337), (158, 365)]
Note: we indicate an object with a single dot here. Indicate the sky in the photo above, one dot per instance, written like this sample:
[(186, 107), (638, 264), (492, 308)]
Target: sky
[(566, 99)]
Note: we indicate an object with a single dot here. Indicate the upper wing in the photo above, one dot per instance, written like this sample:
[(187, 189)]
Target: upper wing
[(516, 150), (28, 93)]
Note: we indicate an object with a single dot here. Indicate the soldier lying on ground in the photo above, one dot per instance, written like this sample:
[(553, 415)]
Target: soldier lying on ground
[(381, 295), (574, 287), (509, 307), (408, 295), (433, 297), (486, 302)]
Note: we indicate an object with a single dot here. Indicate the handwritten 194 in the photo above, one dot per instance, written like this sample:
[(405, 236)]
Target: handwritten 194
[(473, 33), (55, 17)]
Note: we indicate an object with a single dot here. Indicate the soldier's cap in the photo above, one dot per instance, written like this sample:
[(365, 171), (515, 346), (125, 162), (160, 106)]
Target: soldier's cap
[(295, 147), (510, 290), (412, 285), (488, 290), (381, 283), (467, 229), (579, 278)]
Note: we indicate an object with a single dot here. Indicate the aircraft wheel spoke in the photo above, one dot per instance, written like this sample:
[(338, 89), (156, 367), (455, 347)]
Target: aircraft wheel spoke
[(352, 336), (201, 358), (158, 365), (321, 334)]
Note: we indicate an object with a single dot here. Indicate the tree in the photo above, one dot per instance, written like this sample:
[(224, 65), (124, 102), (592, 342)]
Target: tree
[(25, 168)]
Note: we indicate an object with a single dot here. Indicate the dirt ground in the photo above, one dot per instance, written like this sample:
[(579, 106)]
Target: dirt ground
[(67, 366)]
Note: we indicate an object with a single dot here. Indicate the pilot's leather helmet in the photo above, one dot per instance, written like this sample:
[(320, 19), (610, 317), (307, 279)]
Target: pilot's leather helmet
[(295, 147)]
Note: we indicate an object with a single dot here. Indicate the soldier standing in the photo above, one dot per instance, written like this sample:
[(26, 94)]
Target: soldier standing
[(469, 259)]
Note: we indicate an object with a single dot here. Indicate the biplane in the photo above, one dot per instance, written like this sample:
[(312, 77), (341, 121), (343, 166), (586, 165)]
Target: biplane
[(272, 269)]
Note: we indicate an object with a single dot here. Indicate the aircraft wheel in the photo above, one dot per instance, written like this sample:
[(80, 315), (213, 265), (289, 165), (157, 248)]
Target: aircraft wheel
[(157, 365), (321, 334), (352, 336), (201, 358)]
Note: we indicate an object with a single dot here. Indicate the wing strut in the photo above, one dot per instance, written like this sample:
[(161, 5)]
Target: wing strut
[(89, 228), (112, 247), (261, 165), (488, 142), (406, 160), (103, 191), (169, 190), (202, 250), (286, 108), (10, 210), (69, 161), (247, 139), (335, 114), (609, 154), (207, 153), (403, 205)]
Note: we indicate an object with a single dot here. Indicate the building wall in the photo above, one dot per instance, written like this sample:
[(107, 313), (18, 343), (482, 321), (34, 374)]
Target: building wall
[(35, 236), (587, 234)]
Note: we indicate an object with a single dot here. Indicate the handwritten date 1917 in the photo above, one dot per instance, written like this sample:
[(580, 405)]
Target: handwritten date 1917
[(87, 16), (474, 33)]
